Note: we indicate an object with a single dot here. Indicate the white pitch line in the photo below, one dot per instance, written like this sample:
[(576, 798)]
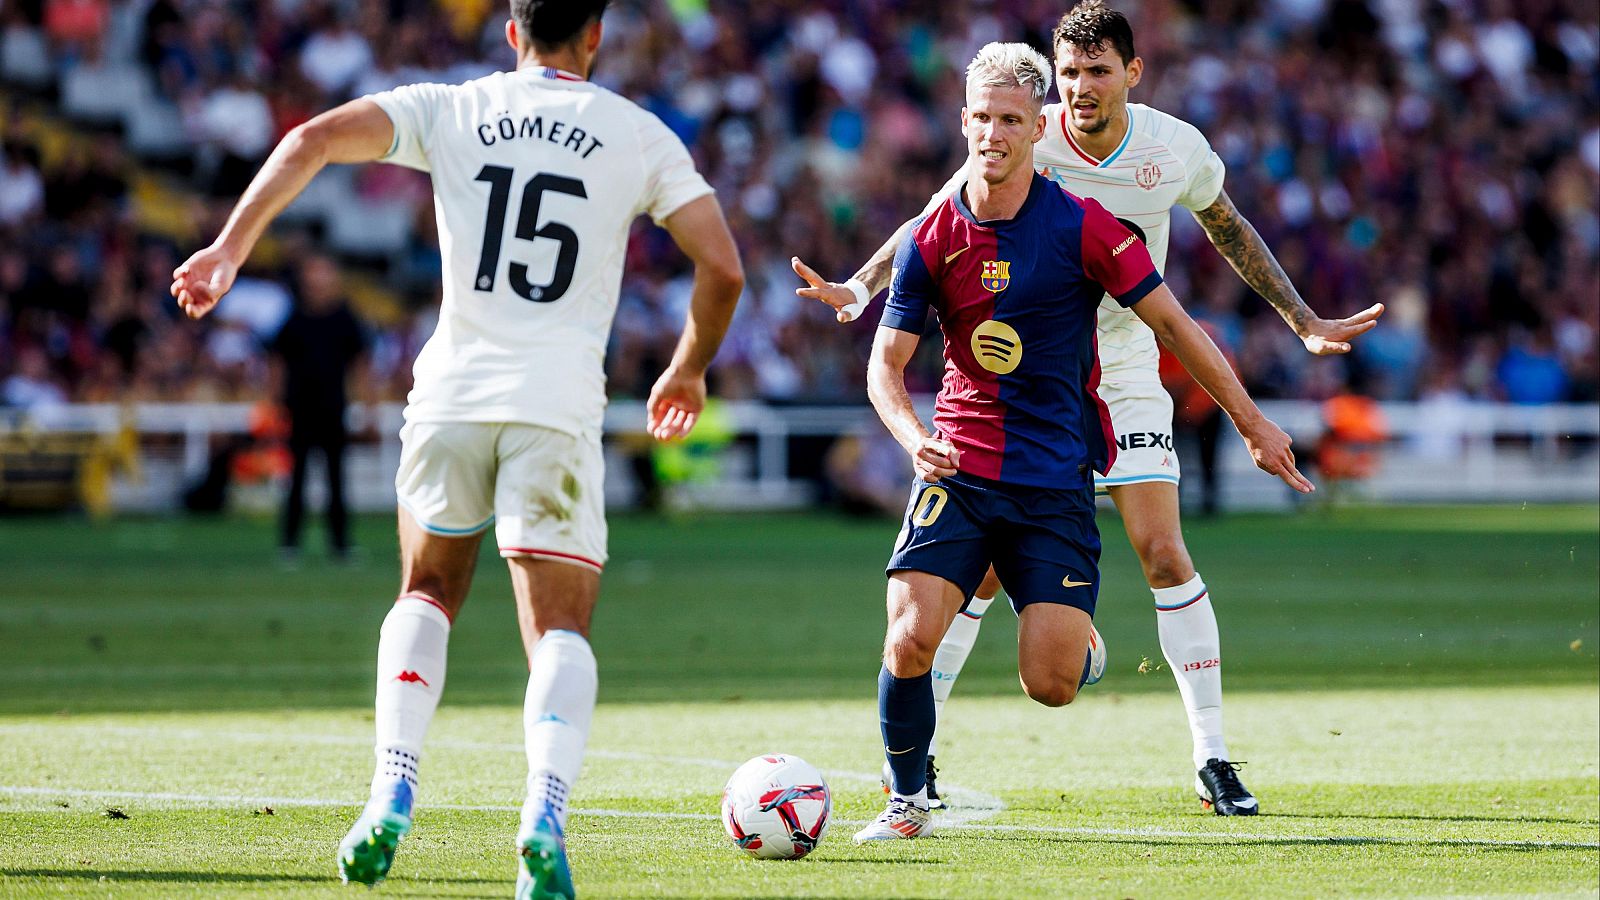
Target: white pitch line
[(945, 823), (973, 805)]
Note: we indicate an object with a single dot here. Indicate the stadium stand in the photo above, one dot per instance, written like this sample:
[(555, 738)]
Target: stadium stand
[(1442, 158)]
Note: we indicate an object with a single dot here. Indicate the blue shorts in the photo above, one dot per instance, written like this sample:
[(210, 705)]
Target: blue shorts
[(1043, 542)]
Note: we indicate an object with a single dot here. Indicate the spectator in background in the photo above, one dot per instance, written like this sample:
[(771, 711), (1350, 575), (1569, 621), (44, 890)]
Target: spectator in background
[(21, 188), (321, 347), (75, 24), (32, 388), (237, 120), (335, 56), (1530, 371)]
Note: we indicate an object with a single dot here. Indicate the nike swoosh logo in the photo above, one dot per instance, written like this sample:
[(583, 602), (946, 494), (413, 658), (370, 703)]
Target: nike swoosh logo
[(1248, 803), (957, 253), (899, 752), (1068, 582)]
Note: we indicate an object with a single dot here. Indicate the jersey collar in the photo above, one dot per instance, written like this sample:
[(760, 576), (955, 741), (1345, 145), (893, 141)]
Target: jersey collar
[(553, 74), (1097, 163), (1038, 183)]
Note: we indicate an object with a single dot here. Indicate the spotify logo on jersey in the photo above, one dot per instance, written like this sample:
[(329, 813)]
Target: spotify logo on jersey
[(997, 347)]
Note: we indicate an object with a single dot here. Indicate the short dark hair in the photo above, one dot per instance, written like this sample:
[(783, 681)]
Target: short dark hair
[(551, 23), (1091, 26)]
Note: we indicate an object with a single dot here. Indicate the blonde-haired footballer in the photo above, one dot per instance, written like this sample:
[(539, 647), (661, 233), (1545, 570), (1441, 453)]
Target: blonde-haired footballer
[(1138, 162)]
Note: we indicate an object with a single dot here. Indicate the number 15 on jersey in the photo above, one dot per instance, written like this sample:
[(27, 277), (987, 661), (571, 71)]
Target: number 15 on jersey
[(500, 180)]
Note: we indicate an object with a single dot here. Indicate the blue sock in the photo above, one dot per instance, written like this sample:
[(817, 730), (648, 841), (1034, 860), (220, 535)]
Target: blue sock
[(905, 709)]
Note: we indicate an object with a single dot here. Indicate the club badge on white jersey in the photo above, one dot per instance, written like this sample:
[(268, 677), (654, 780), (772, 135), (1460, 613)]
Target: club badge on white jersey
[(537, 176)]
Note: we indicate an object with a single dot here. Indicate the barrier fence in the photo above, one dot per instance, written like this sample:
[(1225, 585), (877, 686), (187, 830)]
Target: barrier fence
[(755, 455)]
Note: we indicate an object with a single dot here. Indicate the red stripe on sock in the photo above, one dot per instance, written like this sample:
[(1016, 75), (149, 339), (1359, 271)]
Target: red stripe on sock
[(1196, 599), (418, 595)]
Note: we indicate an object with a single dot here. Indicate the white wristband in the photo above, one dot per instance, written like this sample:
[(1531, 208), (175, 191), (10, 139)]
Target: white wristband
[(854, 310)]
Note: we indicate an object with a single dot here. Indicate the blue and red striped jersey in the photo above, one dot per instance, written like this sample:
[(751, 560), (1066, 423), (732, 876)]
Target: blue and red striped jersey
[(1016, 301)]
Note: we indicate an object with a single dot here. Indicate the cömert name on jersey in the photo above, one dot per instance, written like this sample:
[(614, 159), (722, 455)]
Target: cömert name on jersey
[(504, 127)]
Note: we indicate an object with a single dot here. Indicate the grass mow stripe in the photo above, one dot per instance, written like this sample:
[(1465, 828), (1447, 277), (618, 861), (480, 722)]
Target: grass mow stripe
[(979, 827)]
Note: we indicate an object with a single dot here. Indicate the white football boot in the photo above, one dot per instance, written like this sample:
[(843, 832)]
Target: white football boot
[(902, 820)]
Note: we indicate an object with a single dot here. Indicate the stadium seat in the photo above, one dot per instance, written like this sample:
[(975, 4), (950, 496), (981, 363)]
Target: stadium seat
[(332, 189), (374, 229), (100, 94), (154, 130), (25, 57)]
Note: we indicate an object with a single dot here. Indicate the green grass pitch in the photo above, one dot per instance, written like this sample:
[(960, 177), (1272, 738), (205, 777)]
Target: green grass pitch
[(1417, 693)]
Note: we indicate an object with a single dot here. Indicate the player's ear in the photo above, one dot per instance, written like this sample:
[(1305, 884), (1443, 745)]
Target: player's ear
[(596, 34), (511, 34), (1038, 128), (963, 121), (1135, 71)]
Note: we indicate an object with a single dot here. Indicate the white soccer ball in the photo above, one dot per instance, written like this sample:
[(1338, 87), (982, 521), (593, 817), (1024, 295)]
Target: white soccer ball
[(776, 806)]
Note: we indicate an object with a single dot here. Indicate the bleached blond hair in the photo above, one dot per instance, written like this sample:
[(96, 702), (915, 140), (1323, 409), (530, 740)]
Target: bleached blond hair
[(1011, 65)]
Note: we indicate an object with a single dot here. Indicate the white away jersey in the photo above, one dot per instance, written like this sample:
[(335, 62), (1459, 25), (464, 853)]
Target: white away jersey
[(537, 175), (1163, 162)]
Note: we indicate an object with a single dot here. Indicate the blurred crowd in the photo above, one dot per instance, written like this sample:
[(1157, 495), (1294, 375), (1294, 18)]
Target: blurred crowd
[(1440, 157)]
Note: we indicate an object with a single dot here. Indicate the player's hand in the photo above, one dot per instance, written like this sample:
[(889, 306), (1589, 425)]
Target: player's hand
[(832, 293), (675, 404), (1269, 447), (1327, 337), (934, 459), (202, 280)]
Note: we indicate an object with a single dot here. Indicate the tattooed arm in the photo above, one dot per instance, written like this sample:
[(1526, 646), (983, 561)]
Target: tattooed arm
[(1236, 239)]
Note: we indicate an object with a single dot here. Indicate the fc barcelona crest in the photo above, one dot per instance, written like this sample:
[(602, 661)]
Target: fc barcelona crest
[(996, 275)]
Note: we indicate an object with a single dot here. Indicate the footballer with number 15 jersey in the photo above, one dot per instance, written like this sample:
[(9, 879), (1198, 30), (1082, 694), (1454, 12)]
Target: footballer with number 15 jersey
[(537, 176)]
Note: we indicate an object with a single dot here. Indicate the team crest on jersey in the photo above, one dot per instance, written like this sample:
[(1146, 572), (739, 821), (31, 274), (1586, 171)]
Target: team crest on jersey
[(1148, 174), (996, 275)]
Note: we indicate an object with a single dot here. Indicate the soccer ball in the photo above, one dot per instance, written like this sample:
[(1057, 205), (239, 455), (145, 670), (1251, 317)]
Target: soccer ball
[(776, 807)]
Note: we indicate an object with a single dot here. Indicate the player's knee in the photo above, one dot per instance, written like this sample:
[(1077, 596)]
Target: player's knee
[(1049, 690), (907, 652), (1166, 561)]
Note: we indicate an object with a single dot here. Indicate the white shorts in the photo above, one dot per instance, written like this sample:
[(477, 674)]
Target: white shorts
[(542, 489), (1141, 416)]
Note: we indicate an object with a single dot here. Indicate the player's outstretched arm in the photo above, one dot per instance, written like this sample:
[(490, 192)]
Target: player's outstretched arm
[(358, 131), (679, 394), (1268, 444), (892, 350), (849, 299), (1241, 245)]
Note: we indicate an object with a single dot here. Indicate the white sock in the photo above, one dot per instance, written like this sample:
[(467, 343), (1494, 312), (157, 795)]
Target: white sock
[(952, 655), (411, 662), (562, 682), (1188, 628), (918, 797)]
